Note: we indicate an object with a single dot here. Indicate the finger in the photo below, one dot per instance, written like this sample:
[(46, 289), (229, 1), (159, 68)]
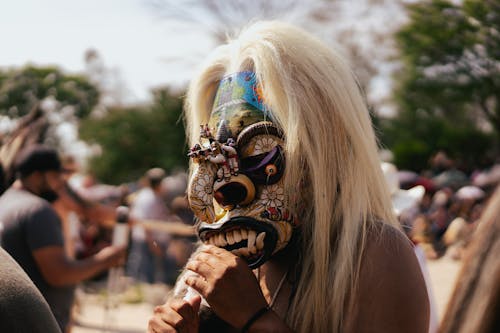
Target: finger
[(195, 303), (221, 255), (170, 315), (187, 312), (198, 284), (214, 250), (157, 325), (209, 258), (200, 267)]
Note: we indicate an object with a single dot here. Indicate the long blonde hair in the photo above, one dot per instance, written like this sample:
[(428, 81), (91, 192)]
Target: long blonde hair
[(331, 155)]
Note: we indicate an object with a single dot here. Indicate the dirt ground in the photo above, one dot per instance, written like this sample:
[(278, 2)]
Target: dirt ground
[(95, 312)]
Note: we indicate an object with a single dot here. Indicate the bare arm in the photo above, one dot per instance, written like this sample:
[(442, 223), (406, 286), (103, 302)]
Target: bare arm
[(391, 295), (59, 270)]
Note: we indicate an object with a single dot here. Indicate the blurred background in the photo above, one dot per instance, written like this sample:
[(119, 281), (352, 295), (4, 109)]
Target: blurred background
[(429, 69), (103, 82)]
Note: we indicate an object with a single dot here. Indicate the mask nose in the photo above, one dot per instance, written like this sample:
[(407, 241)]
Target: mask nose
[(237, 191)]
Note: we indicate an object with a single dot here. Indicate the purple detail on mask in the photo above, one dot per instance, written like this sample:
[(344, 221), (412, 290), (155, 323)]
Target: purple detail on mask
[(269, 157)]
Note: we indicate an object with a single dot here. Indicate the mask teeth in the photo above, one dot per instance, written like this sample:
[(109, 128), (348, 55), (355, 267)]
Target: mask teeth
[(255, 242), (251, 242)]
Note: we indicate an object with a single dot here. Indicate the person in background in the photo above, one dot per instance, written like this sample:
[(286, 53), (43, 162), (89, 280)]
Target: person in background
[(406, 208), (33, 234), (79, 213), (148, 260), (181, 247), (468, 206)]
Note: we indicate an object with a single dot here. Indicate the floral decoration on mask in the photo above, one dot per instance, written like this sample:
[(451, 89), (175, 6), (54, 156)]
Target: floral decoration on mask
[(236, 190)]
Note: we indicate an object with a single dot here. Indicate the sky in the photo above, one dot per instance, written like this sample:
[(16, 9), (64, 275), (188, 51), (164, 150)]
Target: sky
[(129, 36), (143, 49)]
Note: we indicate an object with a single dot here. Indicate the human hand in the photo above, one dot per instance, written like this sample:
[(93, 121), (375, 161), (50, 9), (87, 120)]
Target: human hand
[(112, 255), (226, 282), (176, 315)]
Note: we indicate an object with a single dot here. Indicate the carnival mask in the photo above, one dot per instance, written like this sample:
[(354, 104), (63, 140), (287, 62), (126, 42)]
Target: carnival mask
[(236, 190)]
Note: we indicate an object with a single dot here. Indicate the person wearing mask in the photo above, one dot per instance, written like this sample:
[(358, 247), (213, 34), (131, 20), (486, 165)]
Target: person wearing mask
[(303, 237)]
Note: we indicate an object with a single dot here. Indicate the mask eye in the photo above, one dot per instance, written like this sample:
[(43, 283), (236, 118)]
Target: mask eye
[(271, 170), (264, 168)]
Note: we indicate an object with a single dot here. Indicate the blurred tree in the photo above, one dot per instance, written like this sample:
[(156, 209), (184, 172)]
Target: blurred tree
[(21, 89), (448, 90), (42, 104), (112, 88), (414, 140), (134, 139), (223, 18), (361, 29)]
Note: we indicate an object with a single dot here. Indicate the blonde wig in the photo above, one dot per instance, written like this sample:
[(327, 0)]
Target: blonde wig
[(331, 156)]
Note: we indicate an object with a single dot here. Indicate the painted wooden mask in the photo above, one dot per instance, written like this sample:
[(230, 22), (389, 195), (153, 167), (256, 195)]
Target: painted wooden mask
[(236, 190)]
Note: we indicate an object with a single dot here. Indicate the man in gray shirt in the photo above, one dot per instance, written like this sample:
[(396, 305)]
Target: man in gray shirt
[(33, 236)]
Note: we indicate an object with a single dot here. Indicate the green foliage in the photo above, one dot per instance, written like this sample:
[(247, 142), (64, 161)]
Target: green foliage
[(134, 139), (21, 89), (413, 141), (449, 86)]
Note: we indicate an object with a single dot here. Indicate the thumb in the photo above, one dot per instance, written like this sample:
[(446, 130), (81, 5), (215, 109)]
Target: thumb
[(195, 302)]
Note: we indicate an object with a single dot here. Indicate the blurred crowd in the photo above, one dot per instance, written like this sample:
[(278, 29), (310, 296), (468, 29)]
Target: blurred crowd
[(157, 207), (63, 228), (439, 208)]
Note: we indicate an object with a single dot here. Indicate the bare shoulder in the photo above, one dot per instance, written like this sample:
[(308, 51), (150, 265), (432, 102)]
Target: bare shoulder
[(391, 295), (386, 245)]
